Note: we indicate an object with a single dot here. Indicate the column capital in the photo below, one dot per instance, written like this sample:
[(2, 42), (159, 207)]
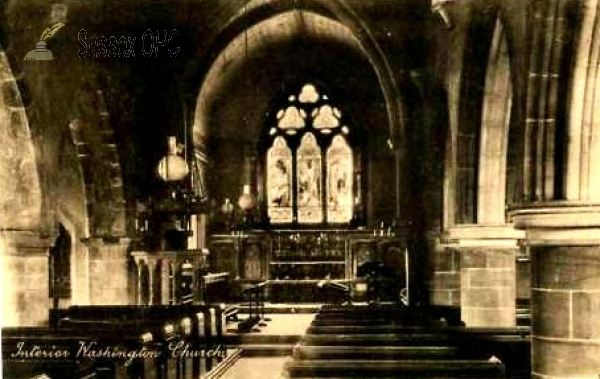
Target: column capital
[(559, 223), (474, 235), (101, 242), (23, 242)]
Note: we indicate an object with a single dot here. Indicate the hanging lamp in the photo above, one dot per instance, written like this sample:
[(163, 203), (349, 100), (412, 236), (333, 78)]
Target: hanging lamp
[(172, 167)]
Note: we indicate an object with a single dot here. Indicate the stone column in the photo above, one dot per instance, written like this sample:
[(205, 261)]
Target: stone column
[(139, 266), (564, 243), (25, 291), (445, 280), (153, 282), (487, 273), (108, 272), (165, 281)]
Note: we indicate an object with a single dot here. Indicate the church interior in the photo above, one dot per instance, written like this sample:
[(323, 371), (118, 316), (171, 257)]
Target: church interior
[(300, 189)]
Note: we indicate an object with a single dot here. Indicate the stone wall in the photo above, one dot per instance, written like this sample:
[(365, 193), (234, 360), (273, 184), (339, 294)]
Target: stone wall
[(488, 293), (445, 282)]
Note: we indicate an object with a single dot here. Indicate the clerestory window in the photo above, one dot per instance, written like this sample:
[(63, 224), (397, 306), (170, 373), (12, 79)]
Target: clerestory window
[(309, 162)]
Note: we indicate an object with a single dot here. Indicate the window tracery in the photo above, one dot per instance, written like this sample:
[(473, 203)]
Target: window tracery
[(309, 162)]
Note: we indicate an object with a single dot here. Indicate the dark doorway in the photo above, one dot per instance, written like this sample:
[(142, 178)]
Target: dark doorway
[(60, 269)]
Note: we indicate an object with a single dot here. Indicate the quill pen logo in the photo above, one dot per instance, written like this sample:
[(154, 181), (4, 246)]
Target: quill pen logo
[(41, 53)]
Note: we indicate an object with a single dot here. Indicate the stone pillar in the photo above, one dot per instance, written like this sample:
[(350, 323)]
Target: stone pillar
[(487, 273), (153, 283), (139, 285), (25, 291), (108, 272), (165, 279), (445, 280), (488, 286), (564, 243)]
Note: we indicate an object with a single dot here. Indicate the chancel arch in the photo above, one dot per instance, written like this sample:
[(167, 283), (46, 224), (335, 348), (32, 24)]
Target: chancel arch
[(274, 44), (335, 20)]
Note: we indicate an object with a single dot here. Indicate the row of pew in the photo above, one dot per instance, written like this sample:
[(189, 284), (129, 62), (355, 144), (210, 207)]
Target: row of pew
[(387, 341), (136, 342), (119, 342)]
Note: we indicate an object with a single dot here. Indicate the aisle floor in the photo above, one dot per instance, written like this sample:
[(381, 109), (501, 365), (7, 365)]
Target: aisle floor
[(270, 367), (286, 324), (257, 368)]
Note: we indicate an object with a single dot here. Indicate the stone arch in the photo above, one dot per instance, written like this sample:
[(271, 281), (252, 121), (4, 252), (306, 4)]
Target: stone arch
[(98, 154), (495, 122), (255, 12), (544, 127), (582, 173), (480, 90), (21, 192), (470, 126)]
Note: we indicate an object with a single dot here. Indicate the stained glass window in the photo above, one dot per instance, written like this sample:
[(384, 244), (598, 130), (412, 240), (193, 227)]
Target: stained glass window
[(310, 202), (326, 117), (339, 180), (291, 119), (309, 162), (279, 181)]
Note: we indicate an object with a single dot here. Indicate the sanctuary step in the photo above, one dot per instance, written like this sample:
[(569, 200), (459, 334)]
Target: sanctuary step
[(385, 341)]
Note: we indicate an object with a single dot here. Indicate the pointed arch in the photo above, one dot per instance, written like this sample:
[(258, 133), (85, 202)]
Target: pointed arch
[(21, 200), (346, 25), (495, 122)]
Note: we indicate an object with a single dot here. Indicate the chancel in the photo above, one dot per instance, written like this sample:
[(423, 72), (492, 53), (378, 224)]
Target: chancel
[(300, 188)]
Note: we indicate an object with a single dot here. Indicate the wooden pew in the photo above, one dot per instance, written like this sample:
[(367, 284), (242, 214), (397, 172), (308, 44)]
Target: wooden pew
[(380, 341), (216, 291), (176, 332), (401, 339), (406, 315), (509, 345), (34, 351), (205, 330), (375, 352), (474, 342), (354, 322), (391, 368), (153, 316), (398, 328)]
